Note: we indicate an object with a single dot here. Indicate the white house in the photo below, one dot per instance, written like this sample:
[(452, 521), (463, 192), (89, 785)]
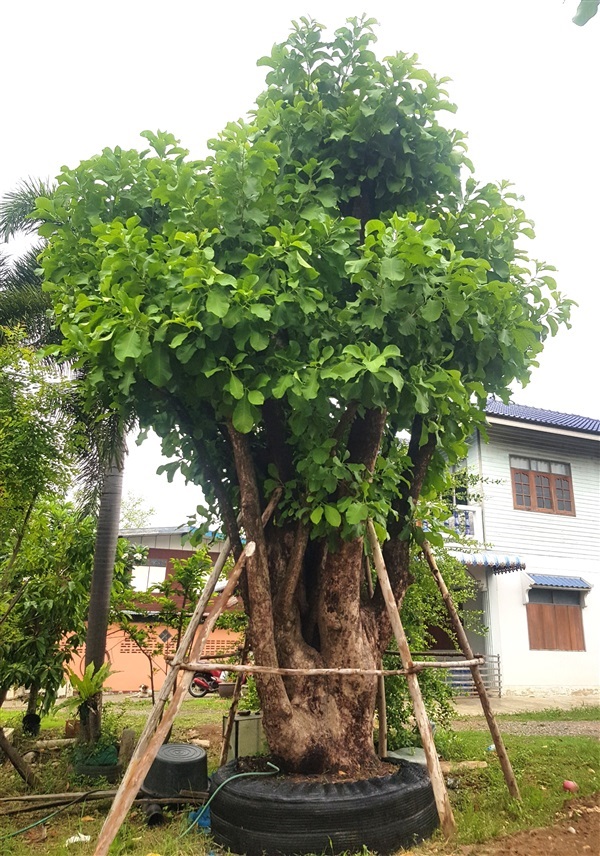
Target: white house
[(539, 574)]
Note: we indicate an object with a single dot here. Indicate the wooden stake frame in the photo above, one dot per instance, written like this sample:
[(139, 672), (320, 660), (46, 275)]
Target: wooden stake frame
[(160, 721), (509, 776), (156, 730)]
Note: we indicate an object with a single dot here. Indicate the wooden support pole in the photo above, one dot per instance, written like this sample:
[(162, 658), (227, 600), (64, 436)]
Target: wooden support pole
[(156, 728), (440, 793), (509, 776), (237, 691), (20, 765), (382, 747), (252, 668), (73, 802)]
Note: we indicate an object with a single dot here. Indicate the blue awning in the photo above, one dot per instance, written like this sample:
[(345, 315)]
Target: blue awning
[(550, 581), (498, 563)]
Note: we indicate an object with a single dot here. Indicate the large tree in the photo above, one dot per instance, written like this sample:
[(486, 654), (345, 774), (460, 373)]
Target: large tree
[(281, 313)]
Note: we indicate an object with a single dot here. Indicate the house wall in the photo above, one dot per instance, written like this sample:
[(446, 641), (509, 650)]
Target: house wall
[(131, 667), (550, 544)]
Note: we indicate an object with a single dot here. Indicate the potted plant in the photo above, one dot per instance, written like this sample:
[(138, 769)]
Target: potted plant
[(99, 757)]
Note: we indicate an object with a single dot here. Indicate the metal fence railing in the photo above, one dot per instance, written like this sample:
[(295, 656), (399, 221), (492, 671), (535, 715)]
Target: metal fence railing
[(460, 677)]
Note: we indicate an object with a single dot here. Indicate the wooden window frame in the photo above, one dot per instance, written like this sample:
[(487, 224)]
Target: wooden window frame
[(552, 477)]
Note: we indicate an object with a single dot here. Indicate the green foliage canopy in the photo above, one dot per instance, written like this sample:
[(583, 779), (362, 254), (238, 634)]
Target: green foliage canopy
[(325, 257)]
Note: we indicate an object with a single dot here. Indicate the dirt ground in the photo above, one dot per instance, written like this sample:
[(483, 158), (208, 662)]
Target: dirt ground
[(576, 833)]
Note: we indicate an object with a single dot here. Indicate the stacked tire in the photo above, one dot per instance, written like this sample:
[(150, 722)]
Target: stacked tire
[(278, 815)]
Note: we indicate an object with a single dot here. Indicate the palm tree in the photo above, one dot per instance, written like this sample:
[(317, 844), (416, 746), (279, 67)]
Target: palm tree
[(23, 303)]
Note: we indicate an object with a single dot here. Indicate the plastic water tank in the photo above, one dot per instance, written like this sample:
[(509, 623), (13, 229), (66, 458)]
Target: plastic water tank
[(247, 737)]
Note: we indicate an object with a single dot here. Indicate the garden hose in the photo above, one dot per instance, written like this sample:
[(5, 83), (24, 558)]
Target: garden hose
[(81, 798), (271, 772)]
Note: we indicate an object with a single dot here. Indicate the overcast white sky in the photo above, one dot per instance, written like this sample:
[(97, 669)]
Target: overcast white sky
[(78, 76)]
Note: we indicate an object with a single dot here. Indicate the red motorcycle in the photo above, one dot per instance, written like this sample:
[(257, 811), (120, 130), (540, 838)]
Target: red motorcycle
[(206, 682)]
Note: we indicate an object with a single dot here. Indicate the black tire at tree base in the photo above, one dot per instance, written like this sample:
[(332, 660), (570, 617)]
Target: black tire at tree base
[(277, 815)]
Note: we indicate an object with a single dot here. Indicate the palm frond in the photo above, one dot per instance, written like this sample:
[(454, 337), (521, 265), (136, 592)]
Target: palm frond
[(16, 207), (22, 301), (103, 435), (26, 267)]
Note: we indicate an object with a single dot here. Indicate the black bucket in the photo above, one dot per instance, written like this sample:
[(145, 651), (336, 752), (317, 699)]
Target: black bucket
[(177, 767), (31, 724)]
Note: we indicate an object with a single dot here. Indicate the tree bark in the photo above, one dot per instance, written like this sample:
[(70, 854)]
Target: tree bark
[(33, 699), (102, 576)]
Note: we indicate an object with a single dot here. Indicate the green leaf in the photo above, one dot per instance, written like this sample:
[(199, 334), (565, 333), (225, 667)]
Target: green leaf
[(392, 269), (256, 397), (236, 387), (243, 416), (356, 513), (258, 340), (432, 310), (316, 514), (327, 197), (178, 340), (332, 515), (128, 345), (282, 385), (261, 311), (217, 303), (157, 366), (320, 455)]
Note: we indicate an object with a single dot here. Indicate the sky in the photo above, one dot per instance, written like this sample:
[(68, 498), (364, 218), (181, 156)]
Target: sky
[(79, 76)]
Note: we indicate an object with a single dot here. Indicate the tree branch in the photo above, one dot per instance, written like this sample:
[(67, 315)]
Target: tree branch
[(396, 550), (20, 536), (345, 421), (260, 605), (212, 474), (280, 451), (285, 596), (365, 437)]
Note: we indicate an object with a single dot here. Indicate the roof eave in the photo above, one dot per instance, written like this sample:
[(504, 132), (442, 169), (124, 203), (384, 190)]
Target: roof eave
[(539, 426)]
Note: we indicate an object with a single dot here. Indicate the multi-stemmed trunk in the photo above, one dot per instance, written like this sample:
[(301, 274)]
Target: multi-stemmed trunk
[(310, 607)]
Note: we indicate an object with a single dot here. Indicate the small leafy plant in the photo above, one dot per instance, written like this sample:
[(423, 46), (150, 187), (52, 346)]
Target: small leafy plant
[(88, 701), (87, 686)]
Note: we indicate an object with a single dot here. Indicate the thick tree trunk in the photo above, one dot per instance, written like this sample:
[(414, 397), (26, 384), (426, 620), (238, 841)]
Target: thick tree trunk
[(102, 576), (308, 608), (329, 726)]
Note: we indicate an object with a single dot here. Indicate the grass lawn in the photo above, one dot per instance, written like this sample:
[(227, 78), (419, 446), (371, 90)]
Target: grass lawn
[(481, 804), (584, 713)]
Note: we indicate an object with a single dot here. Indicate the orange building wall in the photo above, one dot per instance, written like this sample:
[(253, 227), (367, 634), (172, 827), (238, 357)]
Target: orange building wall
[(132, 668)]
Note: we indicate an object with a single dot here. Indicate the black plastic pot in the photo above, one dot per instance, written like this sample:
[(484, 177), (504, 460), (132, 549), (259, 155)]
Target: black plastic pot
[(275, 815), (31, 724), (177, 767)]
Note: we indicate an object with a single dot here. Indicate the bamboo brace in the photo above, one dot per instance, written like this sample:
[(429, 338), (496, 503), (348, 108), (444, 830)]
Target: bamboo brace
[(440, 793), (156, 729), (509, 776)]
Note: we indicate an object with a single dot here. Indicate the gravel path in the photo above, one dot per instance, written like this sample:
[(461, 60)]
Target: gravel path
[(533, 727)]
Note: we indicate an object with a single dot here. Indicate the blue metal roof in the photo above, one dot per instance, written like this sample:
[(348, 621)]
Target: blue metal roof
[(499, 564), (549, 581), (553, 418)]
